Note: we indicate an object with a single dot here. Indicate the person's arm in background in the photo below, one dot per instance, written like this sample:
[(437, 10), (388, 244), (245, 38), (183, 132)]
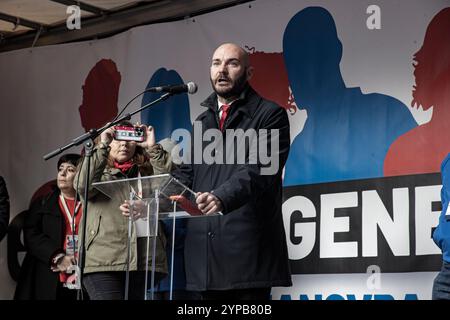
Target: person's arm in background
[(439, 233), (4, 208)]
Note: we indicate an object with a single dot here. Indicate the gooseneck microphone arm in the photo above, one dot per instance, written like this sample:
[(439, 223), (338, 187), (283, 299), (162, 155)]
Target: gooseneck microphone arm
[(189, 87), (93, 133)]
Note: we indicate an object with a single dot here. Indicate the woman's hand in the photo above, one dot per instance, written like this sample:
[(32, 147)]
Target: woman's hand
[(107, 136), (150, 137), (64, 264), (136, 209)]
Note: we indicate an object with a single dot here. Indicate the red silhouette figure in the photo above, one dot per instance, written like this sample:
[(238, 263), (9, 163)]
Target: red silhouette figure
[(422, 149), (100, 95), (270, 78), (43, 191)]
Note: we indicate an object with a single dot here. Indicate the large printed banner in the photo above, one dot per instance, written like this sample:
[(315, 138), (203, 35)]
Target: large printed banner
[(346, 227), (367, 90)]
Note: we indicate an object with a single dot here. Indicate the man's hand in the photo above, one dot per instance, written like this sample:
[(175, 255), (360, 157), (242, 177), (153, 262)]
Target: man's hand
[(208, 203)]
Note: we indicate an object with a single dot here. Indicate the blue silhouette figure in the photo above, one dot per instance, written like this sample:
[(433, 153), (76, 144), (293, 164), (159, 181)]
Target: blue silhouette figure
[(169, 114), (347, 133), (165, 117)]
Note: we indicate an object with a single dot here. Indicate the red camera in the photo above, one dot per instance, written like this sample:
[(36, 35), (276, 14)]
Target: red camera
[(129, 133)]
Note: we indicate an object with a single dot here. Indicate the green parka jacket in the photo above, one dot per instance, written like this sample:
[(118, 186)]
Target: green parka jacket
[(106, 227)]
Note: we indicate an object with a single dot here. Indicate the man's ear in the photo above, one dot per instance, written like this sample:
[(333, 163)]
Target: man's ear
[(250, 71)]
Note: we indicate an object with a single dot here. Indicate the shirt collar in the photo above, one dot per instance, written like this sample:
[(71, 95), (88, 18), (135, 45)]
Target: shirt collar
[(220, 104)]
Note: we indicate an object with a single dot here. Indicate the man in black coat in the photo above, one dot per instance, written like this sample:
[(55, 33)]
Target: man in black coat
[(241, 254), (4, 208)]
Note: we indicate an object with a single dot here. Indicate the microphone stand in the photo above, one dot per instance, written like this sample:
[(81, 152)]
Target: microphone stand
[(88, 140)]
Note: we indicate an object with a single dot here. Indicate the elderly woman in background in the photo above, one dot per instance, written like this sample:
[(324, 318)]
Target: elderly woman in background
[(50, 234)]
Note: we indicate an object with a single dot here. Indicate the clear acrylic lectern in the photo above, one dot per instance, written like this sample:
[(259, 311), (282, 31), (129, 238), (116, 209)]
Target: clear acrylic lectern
[(151, 199)]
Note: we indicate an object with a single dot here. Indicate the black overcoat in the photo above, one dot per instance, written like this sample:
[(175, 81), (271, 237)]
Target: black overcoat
[(43, 234), (246, 247)]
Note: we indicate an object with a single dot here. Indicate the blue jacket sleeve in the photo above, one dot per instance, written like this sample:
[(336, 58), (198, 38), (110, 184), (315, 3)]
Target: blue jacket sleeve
[(443, 226)]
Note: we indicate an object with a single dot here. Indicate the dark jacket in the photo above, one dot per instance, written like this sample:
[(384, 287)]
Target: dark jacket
[(246, 247), (4, 208), (43, 234)]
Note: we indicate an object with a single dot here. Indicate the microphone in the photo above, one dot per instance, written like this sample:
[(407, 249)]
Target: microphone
[(189, 87)]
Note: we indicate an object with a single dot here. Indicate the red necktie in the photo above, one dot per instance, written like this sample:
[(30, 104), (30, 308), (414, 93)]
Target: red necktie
[(225, 109)]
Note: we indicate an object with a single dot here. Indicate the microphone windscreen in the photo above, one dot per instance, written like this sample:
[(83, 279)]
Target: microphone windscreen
[(192, 87)]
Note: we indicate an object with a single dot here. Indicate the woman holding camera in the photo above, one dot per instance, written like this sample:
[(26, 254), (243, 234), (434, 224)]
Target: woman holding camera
[(107, 228)]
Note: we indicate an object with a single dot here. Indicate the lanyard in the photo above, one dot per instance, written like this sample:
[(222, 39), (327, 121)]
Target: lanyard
[(67, 212)]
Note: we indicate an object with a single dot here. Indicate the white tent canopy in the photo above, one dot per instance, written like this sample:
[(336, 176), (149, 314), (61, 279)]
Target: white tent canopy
[(29, 23)]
